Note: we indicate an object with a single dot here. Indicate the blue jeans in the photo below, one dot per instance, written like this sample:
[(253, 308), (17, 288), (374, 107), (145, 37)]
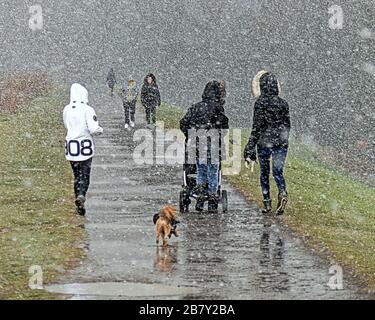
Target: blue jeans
[(208, 172), (278, 162)]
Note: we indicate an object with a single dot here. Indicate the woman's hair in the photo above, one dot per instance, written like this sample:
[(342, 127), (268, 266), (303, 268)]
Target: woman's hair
[(152, 76)]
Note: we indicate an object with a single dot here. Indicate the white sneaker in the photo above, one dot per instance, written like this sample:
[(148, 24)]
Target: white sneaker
[(126, 126), (132, 124)]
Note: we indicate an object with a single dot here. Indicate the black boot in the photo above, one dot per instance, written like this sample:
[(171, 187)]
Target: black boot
[(267, 206), (80, 204), (199, 205), (212, 203), (282, 201)]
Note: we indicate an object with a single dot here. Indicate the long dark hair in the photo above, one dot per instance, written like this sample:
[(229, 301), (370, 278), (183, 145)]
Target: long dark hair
[(152, 76)]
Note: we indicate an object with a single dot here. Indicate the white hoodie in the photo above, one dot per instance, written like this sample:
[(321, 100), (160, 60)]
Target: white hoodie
[(81, 122)]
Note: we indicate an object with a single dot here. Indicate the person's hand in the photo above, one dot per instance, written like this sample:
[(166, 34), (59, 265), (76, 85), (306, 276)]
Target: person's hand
[(98, 131)]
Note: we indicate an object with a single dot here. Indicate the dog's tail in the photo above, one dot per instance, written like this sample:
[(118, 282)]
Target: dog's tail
[(155, 217)]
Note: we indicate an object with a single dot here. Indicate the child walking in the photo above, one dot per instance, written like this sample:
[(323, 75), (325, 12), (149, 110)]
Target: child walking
[(129, 95)]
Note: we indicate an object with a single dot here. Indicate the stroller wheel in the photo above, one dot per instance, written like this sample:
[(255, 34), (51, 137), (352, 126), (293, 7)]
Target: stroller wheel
[(184, 202), (224, 200)]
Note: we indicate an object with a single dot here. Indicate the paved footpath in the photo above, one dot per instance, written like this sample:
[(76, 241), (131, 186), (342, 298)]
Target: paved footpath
[(237, 255)]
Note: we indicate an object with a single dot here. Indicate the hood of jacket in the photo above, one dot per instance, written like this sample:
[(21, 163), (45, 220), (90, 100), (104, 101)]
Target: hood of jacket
[(212, 92), (78, 94), (265, 83), (269, 85)]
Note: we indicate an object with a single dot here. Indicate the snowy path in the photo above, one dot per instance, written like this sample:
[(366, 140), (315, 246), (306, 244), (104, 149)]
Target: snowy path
[(238, 255)]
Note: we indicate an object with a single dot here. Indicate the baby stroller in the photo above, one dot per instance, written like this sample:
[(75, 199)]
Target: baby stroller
[(189, 185)]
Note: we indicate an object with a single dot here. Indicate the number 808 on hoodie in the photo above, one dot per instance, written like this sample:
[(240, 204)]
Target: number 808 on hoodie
[(82, 124)]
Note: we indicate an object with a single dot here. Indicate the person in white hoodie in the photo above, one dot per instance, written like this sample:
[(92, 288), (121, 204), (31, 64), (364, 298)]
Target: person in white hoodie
[(82, 124)]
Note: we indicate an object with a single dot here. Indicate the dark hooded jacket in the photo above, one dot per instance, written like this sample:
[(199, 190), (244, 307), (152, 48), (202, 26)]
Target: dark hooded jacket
[(271, 121), (150, 94), (206, 115)]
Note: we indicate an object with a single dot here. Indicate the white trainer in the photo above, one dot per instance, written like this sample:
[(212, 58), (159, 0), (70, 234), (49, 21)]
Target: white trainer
[(132, 124), (126, 126)]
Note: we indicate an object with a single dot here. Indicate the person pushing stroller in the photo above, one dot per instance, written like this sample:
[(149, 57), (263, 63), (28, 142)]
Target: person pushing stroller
[(207, 117)]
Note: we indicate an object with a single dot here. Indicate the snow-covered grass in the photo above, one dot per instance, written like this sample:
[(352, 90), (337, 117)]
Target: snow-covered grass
[(37, 222), (332, 212), (171, 115), (18, 89)]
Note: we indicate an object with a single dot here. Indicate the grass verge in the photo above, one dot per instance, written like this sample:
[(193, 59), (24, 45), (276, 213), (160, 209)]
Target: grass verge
[(171, 115), (333, 213), (37, 224)]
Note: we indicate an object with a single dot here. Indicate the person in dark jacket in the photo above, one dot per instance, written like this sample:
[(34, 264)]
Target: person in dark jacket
[(111, 80), (150, 98), (270, 137), (208, 117)]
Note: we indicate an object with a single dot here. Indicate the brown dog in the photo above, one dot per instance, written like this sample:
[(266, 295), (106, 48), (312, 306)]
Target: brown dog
[(166, 223)]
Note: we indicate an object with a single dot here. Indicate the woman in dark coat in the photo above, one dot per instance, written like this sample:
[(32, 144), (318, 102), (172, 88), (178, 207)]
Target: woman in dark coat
[(150, 98), (269, 137)]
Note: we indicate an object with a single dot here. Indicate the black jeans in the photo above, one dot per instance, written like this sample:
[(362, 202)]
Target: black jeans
[(150, 114), (278, 162), (81, 171), (129, 108)]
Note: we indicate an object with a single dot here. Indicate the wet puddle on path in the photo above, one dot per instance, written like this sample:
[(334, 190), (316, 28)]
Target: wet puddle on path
[(120, 289)]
